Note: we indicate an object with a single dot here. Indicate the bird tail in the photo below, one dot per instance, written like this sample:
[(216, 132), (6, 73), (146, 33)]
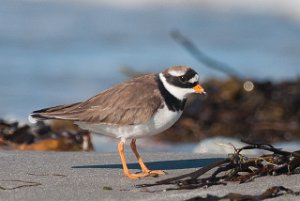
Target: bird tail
[(64, 112)]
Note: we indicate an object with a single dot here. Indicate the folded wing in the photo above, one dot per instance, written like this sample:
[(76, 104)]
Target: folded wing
[(132, 102)]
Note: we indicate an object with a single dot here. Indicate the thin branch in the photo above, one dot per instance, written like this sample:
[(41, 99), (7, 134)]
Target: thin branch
[(27, 184), (203, 58)]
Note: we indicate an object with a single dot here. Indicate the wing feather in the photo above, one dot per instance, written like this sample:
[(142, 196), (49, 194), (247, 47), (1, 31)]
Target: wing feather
[(132, 102)]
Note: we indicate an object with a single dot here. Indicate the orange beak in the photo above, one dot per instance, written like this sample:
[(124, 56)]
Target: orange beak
[(199, 89)]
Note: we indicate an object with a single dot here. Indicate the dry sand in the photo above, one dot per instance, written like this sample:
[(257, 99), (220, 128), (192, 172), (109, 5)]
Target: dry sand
[(97, 176)]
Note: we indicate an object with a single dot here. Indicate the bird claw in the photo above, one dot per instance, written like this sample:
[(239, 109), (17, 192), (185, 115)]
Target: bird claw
[(156, 173)]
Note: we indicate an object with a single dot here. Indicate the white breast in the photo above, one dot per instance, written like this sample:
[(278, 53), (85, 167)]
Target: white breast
[(165, 118), (161, 120)]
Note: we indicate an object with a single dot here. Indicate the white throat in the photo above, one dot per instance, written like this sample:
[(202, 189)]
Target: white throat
[(179, 93)]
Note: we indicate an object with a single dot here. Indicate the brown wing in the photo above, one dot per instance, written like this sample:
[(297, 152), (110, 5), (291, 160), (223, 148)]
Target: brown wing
[(132, 102)]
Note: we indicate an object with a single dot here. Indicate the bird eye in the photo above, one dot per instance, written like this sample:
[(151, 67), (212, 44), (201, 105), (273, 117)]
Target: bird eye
[(182, 78)]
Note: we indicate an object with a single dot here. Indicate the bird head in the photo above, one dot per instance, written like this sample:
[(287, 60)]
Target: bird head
[(181, 81)]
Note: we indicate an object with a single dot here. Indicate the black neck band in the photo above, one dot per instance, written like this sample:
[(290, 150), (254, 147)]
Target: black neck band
[(172, 102)]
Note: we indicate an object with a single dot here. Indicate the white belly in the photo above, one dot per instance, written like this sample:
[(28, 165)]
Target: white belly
[(162, 120)]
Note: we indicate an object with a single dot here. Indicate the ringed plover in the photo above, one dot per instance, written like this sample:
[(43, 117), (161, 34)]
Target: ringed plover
[(143, 106)]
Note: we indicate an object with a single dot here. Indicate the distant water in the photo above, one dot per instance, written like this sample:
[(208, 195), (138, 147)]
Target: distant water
[(55, 53)]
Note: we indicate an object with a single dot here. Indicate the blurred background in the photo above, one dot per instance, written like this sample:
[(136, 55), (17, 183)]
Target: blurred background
[(56, 52)]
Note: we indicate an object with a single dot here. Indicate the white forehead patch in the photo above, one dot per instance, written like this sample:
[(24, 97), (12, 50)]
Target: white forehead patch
[(176, 73), (194, 79)]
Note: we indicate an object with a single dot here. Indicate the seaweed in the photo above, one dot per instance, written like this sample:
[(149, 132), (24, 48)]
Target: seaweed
[(236, 168), (274, 191)]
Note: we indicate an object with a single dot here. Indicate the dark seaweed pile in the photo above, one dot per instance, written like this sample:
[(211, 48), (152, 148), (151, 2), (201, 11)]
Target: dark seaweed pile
[(55, 136), (269, 113), (237, 168)]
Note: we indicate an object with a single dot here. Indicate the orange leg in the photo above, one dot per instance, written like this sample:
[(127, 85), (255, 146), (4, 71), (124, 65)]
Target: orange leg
[(141, 162), (124, 164)]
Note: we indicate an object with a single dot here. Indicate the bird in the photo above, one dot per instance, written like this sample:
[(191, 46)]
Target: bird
[(140, 107)]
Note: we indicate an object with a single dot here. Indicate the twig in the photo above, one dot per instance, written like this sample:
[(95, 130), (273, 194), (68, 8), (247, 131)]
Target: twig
[(201, 57), (191, 176), (27, 184)]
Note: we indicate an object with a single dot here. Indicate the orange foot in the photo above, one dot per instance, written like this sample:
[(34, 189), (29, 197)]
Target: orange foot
[(149, 173), (155, 173), (137, 175)]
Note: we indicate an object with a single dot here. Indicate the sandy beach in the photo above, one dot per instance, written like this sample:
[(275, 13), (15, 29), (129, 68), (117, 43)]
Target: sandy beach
[(98, 176)]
